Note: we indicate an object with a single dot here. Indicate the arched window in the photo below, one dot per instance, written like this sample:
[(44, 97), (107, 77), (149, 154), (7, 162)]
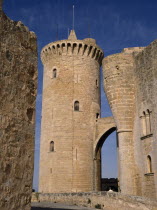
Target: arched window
[(143, 121), (149, 164), (54, 73), (52, 146), (76, 106), (148, 123)]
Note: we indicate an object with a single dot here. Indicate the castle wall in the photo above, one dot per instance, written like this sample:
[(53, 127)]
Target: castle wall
[(130, 83), (18, 83), (145, 132), (97, 200), (70, 166), (119, 86)]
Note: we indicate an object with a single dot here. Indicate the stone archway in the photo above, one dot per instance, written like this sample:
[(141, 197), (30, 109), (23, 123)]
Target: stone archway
[(107, 127)]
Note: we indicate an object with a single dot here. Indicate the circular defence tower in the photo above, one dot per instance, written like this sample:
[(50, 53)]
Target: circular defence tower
[(70, 106)]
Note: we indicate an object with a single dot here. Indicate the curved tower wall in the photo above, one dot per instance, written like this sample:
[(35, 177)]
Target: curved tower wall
[(70, 166), (119, 87)]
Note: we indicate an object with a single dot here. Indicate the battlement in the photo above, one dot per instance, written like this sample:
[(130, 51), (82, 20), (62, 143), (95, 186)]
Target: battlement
[(86, 47), (132, 50)]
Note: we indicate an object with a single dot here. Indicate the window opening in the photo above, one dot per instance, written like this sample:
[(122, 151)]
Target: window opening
[(96, 83), (52, 146), (54, 73), (146, 123), (76, 106), (149, 162), (97, 115)]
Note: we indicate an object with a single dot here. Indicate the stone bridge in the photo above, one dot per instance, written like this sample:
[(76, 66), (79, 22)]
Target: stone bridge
[(105, 126)]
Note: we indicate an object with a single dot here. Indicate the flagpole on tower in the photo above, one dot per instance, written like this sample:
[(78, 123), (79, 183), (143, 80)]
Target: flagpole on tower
[(57, 32), (73, 16)]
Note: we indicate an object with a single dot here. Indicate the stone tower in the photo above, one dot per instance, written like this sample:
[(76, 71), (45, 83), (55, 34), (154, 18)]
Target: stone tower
[(71, 106), (119, 88), (130, 85)]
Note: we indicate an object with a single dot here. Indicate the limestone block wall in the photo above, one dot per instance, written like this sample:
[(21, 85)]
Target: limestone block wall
[(119, 86), (18, 83), (69, 167), (145, 126), (130, 80), (104, 127), (99, 200)]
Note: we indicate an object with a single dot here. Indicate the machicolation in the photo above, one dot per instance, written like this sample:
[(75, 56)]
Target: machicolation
[(86, 47)]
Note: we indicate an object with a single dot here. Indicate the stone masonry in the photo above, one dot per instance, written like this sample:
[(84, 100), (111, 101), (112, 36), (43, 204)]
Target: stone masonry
[(130, 80), (72, 130), (18, 84), (145, 123), (71, 74), (70, 158), (119, 87), (98, 200)]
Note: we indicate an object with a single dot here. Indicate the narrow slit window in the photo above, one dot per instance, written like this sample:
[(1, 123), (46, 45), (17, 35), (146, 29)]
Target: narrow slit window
[(76, 106), (96, 83), (97, 115), (143, 119), (148, 123), (54, 73), (149, 164), (52, 146)]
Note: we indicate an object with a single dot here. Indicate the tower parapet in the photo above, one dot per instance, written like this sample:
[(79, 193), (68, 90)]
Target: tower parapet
[(86, 47)]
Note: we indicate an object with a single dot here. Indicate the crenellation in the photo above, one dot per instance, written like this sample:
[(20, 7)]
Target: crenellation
[(77, 47)]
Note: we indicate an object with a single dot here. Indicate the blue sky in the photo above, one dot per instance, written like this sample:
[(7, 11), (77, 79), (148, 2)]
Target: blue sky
[(115, 24)]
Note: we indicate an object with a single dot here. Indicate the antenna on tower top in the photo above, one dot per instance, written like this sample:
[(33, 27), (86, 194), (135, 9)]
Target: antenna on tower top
[(57, 32), (73, 16), (89, 29)]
